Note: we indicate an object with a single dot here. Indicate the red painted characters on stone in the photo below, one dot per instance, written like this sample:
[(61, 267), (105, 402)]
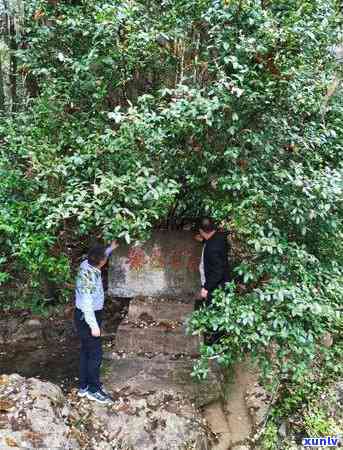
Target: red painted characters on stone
[(157, 259), (176, 260), (184, 259), (193, 263), (136, 258)]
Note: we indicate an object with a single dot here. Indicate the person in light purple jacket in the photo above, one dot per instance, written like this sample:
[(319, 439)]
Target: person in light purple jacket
[(89, 302)]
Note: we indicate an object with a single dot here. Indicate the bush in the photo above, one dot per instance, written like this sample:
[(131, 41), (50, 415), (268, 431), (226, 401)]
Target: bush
[(141, 114)]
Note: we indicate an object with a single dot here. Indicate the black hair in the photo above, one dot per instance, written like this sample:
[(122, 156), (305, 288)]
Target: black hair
[(96, 254), (207, 224)]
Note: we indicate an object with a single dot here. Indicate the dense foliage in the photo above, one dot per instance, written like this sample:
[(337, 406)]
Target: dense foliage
[(139, 111)]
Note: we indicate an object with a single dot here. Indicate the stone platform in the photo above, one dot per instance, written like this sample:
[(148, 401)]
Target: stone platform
[(141, 375)]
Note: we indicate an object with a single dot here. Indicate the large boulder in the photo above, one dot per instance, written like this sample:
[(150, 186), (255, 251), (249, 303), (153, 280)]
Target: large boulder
[(33, 415), (150, 420), (31, 328), (36, 414), (14, 329)]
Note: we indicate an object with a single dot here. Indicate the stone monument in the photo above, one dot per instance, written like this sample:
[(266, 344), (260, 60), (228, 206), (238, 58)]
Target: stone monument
[(165, 266)]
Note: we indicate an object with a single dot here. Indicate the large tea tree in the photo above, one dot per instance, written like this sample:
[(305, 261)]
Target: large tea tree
[(138, 111)]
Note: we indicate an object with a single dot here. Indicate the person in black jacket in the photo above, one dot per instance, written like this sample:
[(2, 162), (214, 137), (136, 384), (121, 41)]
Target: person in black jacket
[(214, 266)]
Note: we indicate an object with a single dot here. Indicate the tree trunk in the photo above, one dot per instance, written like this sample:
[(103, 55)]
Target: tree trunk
[(13, 63), (2, 89)]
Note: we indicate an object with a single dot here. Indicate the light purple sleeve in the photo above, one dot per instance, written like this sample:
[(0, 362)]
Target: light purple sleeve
[(108, 251), (88, 311)]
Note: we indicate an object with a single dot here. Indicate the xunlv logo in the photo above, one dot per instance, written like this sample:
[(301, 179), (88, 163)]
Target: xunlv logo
[(320, 442)]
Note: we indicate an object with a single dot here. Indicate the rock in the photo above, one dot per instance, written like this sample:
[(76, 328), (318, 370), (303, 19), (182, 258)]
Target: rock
[(339, 391), (36, 414), (283, 430), (22, 331), (257, 401), (334, 404), (173, 425), (141, 375), (156, 339), (36, 419), (4, 379), (29, 329), (49, 390), (60, 329), (327, 340), (337, 51), (8, 327), (34, 323), (65, 411)]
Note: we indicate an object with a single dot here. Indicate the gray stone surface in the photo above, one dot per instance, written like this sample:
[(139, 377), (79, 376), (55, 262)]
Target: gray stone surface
[(162, 420), (156, 339), (32, 415), (16, 330), (258, 404), (156, 310), (165, 266), (142, 375), (339, 391), (36, 415), (337, 51)]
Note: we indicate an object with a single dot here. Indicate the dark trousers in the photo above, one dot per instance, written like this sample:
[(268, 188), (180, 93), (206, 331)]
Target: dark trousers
[(90, 352)]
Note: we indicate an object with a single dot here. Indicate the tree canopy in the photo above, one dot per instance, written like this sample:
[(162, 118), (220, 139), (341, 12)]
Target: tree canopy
[(137, 111)]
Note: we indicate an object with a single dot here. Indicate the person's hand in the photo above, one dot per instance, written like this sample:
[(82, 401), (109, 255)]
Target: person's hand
[(95, 332), (198, 237), (202, 234), (203, 293), (114, 245)]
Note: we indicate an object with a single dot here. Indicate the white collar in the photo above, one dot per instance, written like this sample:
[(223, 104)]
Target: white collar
[(93, 268)]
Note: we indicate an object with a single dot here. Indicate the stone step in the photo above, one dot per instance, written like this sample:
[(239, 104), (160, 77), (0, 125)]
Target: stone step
[(155, 310), (156, 339), (140, 375)]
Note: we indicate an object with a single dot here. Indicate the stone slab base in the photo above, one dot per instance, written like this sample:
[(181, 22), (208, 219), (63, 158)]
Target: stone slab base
[(155, 310), (141, 375), (156, 339)]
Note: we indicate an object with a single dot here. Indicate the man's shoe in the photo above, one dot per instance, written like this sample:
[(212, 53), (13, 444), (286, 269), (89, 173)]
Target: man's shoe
[(105, 392), (83, 392), (99, 397)]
